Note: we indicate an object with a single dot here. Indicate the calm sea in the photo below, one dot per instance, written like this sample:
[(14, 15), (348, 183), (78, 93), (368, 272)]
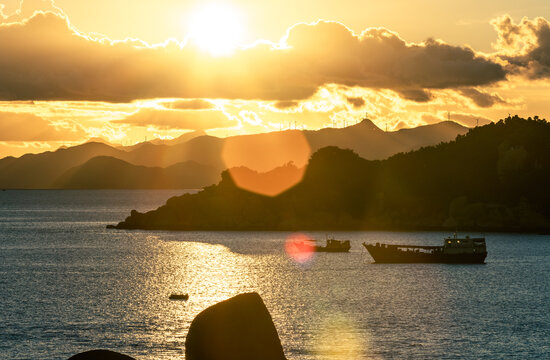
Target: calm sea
[(68, 285)]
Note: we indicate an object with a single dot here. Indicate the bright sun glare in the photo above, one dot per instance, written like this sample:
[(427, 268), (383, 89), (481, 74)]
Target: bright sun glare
[(216, 28)]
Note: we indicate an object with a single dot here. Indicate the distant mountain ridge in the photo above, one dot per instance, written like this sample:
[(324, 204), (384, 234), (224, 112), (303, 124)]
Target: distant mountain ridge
[(372, 143), (104, 172), (42, 171)]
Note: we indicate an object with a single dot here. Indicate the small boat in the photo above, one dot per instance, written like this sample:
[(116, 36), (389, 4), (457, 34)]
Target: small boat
[(455, 250), (183, 297), (333, 245)]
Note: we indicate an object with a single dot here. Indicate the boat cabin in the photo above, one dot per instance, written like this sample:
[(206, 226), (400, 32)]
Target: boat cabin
[(454, 245)]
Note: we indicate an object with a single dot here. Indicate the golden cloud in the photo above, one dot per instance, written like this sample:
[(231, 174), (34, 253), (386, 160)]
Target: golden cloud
[(23, 127), (482, 98), (190, 104), (44, 58), (525, 46), (356, 102), (26, 9), (177, 119)]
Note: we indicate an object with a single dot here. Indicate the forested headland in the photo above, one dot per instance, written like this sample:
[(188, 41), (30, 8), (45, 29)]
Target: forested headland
[(494, 178)]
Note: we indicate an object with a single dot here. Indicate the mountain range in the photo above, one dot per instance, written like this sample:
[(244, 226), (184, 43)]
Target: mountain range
[(199, 156)]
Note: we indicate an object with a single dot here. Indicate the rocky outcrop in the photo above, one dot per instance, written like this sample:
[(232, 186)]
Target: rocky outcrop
[(239, 328), (100, 355)]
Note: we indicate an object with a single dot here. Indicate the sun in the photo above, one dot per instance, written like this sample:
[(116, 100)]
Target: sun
[(216, 28)]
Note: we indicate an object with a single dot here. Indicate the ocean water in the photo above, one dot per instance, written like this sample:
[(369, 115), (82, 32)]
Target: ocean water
[(68, 285)]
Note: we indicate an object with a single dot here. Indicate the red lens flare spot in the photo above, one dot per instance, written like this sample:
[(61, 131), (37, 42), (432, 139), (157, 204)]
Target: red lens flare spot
[(300, 248)]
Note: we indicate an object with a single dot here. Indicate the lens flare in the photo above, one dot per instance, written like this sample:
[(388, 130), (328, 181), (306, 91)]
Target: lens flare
[(267, 164), (300, 248)]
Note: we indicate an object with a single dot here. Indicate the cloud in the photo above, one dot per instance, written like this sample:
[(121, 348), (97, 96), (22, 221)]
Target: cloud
[(29, 128), (283, 105), (192, 104), (417, 95), (480, 98), (26, 9), (524, 46), (44, 58), (356, 102), (178, 119)]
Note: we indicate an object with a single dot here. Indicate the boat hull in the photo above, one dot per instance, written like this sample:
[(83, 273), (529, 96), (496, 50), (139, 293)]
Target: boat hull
[(392, 256)]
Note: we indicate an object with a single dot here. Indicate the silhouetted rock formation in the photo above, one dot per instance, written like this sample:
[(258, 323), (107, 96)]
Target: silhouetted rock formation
[(100, 355), (240, 328)]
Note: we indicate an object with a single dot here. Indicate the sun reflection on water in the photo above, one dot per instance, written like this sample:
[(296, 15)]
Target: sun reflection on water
[(324, 306), (339, 338), (208, 273)]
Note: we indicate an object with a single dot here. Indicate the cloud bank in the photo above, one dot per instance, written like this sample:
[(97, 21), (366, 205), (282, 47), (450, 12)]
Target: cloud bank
[(177, 119), (29, 127), (44, 58)]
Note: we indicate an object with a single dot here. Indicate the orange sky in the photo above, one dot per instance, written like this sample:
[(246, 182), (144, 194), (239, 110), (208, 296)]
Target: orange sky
[(130, 70)]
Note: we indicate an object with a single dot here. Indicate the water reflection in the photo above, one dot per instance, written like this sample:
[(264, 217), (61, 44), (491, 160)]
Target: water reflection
[(71, 285), (339, 338)]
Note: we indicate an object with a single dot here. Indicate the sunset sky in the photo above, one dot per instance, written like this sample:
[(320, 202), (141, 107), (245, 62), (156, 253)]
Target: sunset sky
[(128, 70)]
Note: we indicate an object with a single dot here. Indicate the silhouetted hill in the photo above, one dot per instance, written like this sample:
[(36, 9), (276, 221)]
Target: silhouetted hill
[(105, 172), (259, 152), (4, 162), (203, 149), (101, 141), (493, 178), (39, 171), (371, 143), (179, 140), (269, 183)]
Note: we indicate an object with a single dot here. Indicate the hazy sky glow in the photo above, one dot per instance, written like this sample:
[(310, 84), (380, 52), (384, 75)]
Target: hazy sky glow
[(126, 70)]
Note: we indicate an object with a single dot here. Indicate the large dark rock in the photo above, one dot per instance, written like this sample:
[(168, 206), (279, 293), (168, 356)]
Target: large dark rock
[(240, 328), (100, 355)]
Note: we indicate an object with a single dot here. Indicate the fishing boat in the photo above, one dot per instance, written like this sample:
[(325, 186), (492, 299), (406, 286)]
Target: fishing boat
[(455, 250), (183, 297), (333, 245)]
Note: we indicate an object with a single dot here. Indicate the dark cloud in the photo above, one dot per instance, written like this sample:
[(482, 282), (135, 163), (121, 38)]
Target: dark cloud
[(525, 46), (45, 59), (417, 95), (29, 127), (282, 105), (178, 119), (480, 98), (356, 102), (193, 104)]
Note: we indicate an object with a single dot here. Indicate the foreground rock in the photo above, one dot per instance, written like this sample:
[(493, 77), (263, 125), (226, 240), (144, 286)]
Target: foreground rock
[(100, 355), (240, 328)]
